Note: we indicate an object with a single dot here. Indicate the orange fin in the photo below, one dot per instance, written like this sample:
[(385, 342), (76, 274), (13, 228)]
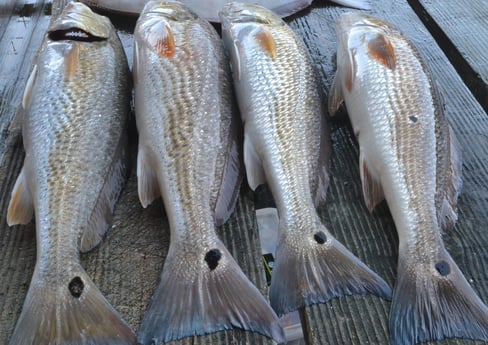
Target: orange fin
[(21, 207), (266, 41), (382, 51), (372, 189), (162, 40)]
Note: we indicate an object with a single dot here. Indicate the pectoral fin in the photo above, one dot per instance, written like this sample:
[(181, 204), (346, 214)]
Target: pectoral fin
[(147, 180), (254, 167), (28, 88)]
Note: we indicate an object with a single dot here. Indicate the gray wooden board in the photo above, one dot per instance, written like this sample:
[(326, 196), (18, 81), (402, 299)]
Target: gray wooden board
[(461, 30), (22, 26), (364, 320)]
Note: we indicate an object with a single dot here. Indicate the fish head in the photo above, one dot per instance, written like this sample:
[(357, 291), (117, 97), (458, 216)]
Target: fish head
[(78, 22), (157, 22), (361, 40), (245, 27), (235, 13)]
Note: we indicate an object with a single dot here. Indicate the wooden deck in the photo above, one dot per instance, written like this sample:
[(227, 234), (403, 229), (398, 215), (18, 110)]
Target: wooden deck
[(452, 35)]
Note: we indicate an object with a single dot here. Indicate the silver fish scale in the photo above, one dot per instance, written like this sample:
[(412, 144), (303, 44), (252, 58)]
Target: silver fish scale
[(287, 116), (407, 127), (71, 137), (194, 126)]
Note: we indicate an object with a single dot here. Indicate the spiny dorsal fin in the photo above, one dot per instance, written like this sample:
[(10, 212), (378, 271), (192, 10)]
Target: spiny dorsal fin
[(381, 49), (21, 207), (266, 41), (372, 189)]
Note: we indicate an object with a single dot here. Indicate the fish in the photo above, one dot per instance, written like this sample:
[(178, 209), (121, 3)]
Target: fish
[(287, 146), (209, 9), (410, 157), (76, 106), (190, 154)]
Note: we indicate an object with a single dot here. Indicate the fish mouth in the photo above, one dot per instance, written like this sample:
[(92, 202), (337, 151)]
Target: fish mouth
[(78, 21), (73, 34)]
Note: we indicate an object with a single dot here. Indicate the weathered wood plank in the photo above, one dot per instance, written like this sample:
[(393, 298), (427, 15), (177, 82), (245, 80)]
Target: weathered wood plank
[(364, 320), (22, 26), (461, 30)]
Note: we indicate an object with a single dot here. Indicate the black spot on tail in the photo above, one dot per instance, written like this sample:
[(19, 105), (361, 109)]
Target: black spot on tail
[(76, 287), (443, 268), (320, 237), (413, 118), (212, 258)]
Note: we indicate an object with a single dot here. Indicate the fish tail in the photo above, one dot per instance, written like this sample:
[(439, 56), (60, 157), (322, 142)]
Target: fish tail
[(208, 295), (433, 303), (70, 311), (317, 268)]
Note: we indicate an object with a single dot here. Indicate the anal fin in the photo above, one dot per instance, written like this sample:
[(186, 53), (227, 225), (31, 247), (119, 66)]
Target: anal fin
[(372, 189), (21, 207)]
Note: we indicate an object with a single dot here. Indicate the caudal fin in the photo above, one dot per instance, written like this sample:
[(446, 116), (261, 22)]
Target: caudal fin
[(433, 303), (199, 295), (70, 312), (317, 269)]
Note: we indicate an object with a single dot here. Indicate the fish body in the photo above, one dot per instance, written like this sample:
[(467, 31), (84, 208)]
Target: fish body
[(209, 9), (190, 154), (76, 111), (286, 145), (410, 157)]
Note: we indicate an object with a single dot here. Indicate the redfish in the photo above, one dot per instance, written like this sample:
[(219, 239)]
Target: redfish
[(190, 154), (76, 105), (286, 145), (410, 157)]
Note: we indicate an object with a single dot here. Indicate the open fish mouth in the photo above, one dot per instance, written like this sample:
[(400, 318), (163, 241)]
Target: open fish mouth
[(73, 34)]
